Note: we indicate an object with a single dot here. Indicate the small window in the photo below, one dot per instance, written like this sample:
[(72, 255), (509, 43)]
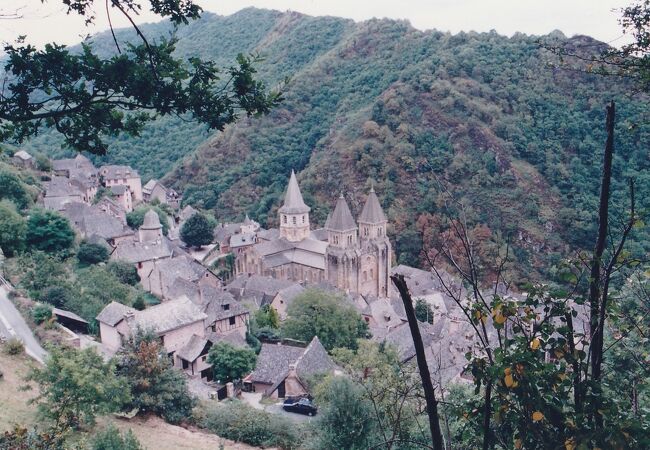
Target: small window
[(284, 219), (185, 364), (294, 220), (214, 327), (226, 307), (232, 320)]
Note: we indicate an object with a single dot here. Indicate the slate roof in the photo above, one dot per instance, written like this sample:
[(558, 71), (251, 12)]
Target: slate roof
[(256, 287), (148, 187), (235, 338), (68, 314), (112, 172), (268, 235), (274, 360), (169, 315), (113, 313), (22, 154), (213, 301), (372, 211), (133, 251), (341, 218), (400, 338), (319, 234), (79, 162), (61, 187), (119, 189), (224, 231), (193, 349), (293, 202), (151, 221), (242, 240), (89, 221), (179, 267), (291, 292)]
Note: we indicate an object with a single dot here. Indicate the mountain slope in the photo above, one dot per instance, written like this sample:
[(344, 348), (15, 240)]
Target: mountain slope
[(517, 141)]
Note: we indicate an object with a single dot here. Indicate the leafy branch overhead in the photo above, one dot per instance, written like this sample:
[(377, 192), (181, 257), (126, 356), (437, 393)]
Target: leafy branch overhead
[(88, 98)]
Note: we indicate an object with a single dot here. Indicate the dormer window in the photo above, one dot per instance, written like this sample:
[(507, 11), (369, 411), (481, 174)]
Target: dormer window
[(225, 306)]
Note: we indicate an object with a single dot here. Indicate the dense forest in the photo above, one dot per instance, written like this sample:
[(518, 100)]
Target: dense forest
[(517, 140)]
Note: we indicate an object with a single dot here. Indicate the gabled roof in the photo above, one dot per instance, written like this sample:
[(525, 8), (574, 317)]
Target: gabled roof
[(169, 315), (341, 219), (372, 211), (133, 251), (193, 349), (148, 187), (22, 154), (113, 313), (118, 189), (400, 337), (111, 172), (274, 360), (293, 202)]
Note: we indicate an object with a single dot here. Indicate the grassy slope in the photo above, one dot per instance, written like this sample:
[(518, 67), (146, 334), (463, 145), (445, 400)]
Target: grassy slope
[(153, 433)]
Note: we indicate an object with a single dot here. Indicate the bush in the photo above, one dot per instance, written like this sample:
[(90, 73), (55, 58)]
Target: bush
[(56, 296), (12, 229), (197, 231), (240, 422), (89, 254), (48, 231), (41, 313), (112, 439), (229, 362), (14, 346), (123, 271), (13, 189), (43, 163)]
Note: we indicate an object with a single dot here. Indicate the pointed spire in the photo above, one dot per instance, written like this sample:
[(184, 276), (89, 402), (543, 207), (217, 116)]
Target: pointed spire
[(372, 211), (341, 219), (293, 202)]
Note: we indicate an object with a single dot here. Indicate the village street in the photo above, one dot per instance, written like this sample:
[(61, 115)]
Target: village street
[(12, 324)]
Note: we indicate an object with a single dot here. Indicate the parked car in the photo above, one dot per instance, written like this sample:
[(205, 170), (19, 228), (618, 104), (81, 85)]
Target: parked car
[(300, 405)]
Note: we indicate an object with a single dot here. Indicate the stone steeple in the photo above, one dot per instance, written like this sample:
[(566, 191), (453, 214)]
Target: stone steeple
[(372, 221), (341, 227), (294, 213)]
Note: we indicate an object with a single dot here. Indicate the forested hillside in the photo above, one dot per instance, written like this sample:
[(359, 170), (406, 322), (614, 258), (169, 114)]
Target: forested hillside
[(518, 141)]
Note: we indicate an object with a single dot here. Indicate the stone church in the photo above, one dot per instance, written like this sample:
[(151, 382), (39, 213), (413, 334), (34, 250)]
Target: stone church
[(352, 255)]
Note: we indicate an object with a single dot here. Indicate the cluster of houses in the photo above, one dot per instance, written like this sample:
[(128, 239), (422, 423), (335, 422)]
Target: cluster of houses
[(272, 267)]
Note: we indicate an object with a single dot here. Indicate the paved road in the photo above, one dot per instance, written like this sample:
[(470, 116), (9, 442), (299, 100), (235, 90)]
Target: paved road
[(13, 324)]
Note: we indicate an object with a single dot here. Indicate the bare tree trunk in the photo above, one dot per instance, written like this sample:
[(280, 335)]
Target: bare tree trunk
[(596, 262), (429, 392)]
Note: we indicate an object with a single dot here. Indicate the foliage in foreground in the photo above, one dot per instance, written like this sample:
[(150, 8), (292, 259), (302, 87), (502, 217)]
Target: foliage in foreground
[(242, 423), (154, 384), (112, 439), (75, 386)]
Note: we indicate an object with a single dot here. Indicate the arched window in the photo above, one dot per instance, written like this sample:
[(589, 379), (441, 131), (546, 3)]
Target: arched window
[(365, 276), (372, 275), (303, 219), (284, 218), (294, 220)]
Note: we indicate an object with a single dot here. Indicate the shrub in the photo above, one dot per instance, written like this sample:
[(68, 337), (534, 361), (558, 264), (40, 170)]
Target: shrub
[(12, 229), (56, 296), (14, 346), (13, 189), (112, 439), (89, 254), (123, 271), (48, 231), (43, 163), (240, 422), (229, 362), (41, 313)]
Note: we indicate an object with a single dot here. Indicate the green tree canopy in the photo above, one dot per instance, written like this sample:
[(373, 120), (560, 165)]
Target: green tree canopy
[(197, 231), (123, 271), (345, 418), (87, 97), (12, 229), (155, 385), (48, 231), (326, 315), (112, 439), (89, 253), (267, 317), (230, 363), (423, 311), (13, 189), (75, 386)]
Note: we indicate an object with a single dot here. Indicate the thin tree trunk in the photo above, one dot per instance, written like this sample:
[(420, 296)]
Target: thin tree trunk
[(429, 392), (596, 262)]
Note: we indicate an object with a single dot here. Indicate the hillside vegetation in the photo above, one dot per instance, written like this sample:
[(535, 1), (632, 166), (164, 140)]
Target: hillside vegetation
[(517, 141)]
